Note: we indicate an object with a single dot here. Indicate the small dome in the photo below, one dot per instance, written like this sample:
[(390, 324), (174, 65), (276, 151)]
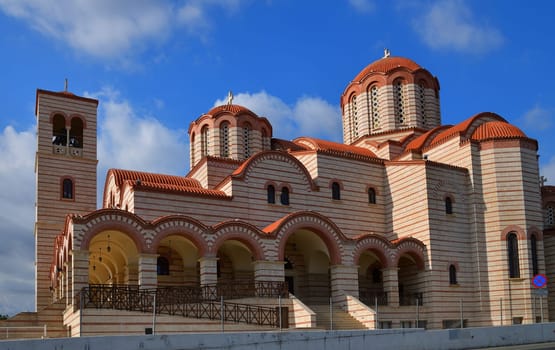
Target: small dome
[(231, 108), (496, 129), (386, 65)]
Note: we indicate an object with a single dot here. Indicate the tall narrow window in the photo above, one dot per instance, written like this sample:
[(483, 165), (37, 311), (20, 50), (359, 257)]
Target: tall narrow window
[(374, 104), (512, 255), (549, 216), (67, 189), (59, 135), (247, 140), (76, 133), (354, 115), (422, 104), (335, 191), (452, 274), (284, 198), (224, 139), (193, 148), (162, 266), (204, 141), (534, 248), (371, 196), (448, 206), (399, 100), (271, 194)]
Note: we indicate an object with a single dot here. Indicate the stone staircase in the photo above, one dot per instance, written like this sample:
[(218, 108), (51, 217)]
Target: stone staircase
[(26, 325), (341, 319)]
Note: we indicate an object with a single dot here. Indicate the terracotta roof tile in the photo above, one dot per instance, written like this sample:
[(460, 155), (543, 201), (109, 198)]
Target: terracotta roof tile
[(323, 145), (425, 138), (180, 181), (234, 109), (496, 129), (386, 65), (463, 127)]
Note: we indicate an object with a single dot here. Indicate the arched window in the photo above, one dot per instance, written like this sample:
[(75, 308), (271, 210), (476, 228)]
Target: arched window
[(549, 216), (512, 255), (247, 129), (374, 107), (204, 141), (371, 196), (452, 274), (59, 136), (448, 205), (284, 198), (193, 149), (224, 139), (67, 189), (534, 248), (271, 194), (399, 100), (335, 191), (162, 266), (422, 103), (354, 116), (76, 133)]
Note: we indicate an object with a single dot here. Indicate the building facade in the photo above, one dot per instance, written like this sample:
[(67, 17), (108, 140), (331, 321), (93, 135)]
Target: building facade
[(406, 223)]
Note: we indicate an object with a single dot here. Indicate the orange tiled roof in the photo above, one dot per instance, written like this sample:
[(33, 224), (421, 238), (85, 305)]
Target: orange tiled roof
[(165, 187), (160, 179), (462, 128), (386, 65), (423, 139), (323, 145), (234, 109), (496, 129)]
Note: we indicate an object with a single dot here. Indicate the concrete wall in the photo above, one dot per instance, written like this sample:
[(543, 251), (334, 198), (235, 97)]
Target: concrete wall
[(413, 339)]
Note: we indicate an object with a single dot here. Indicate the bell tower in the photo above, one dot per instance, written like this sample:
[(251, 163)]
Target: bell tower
[(65, 168)]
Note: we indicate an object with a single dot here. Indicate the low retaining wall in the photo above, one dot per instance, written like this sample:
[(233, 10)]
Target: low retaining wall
[(413, 339)]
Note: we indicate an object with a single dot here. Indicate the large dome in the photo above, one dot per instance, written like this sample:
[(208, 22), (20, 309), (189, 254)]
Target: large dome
[(386, 65)]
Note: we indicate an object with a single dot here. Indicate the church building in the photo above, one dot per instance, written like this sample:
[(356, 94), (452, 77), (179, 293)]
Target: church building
[(407, 223)]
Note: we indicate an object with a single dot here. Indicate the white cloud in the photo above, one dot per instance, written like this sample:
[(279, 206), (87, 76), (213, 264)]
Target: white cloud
[(137, 142), (451, 25), (17, 195), (363, 6), (538, 118), (108, 29), (309, 116)]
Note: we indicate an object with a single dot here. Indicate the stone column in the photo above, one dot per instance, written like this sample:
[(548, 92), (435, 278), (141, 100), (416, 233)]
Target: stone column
[(391, 285), (208, 271), (148, 277), (269, 271), (344, 280), (80, 273)]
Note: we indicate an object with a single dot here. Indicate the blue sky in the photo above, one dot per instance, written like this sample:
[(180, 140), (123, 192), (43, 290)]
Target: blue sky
[(156, 65)]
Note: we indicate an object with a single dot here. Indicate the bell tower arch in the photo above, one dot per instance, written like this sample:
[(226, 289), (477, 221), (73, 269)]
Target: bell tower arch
[(65, 168)]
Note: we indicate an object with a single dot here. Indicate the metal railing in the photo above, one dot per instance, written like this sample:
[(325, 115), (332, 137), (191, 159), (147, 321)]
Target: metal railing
[(24, 330), (411, 299), (189, 301), (373, 298)]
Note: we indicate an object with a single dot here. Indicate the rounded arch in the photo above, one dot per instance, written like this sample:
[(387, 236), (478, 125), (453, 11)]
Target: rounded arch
[(112, 219), (517, 230), (251, 162), (323, 227), (80, 117), (377, 245), (240, 231), (413, 248), (185, 227), (533, 231), (54, 114)]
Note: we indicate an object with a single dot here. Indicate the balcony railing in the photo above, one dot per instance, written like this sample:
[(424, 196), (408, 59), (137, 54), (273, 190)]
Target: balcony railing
[(370, 298), (194, 301), (411, 299)]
